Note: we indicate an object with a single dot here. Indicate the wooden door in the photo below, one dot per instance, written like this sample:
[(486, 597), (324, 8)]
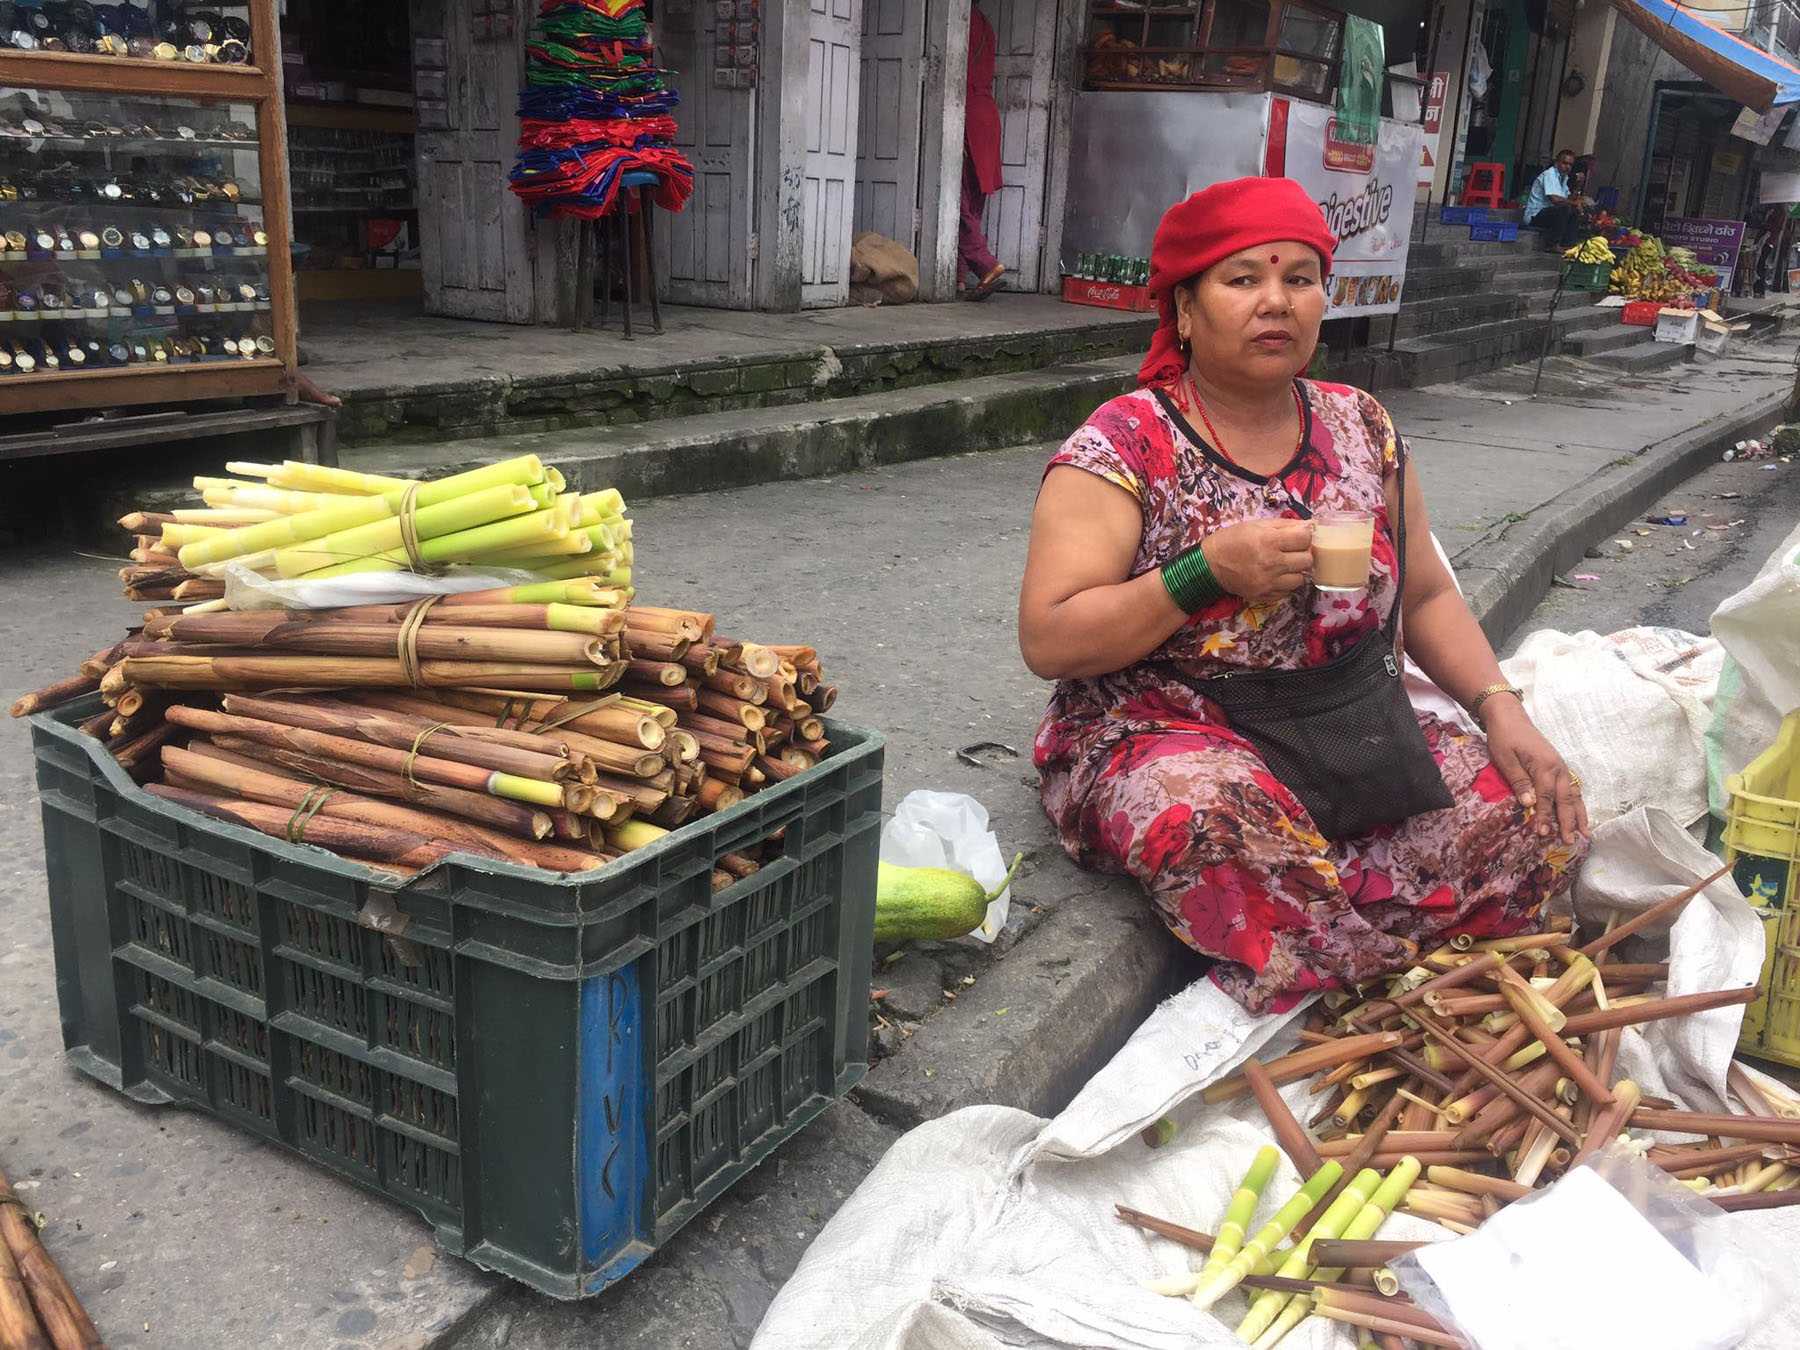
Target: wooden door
[(887, 137), (1025, 34), (474, 238), (829, 181), (704, 253)]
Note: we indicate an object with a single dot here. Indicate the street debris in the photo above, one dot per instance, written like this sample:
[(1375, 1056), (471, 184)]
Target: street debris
[(970, 754), (1671, 519)]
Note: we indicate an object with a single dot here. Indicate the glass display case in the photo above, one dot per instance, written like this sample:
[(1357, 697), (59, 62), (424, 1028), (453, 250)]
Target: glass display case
[(143, 230), (1287, 46)]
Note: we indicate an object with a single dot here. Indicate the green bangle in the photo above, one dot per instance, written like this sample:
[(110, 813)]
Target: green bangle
[(1190, 581)]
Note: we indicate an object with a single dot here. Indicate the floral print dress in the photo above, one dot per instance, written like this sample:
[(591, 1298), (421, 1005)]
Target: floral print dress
[(1142, 776)]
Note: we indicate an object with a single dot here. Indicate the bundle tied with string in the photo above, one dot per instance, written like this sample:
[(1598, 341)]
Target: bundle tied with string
[(550, 723)]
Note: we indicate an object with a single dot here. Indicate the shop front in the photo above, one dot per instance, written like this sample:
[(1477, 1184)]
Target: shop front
[(1243, 89)]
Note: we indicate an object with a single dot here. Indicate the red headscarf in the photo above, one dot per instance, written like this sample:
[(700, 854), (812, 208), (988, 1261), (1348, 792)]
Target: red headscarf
[(1212, 225)]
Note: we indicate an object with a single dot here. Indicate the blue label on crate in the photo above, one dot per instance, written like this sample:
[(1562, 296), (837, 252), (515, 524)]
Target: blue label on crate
[(613, 1149), (1764, 881)]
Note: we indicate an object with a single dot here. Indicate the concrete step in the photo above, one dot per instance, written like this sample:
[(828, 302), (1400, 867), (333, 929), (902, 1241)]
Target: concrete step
[(1614, 337), (686, 373), (1642, 358), (708, 451), (1463, 309), (1430, 282), (1464, 352)]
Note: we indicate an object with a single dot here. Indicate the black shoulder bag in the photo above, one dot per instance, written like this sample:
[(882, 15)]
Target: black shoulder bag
[(1341, 736)]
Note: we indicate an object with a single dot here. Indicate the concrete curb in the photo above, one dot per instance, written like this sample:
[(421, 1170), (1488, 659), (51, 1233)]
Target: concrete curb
[(1521, 564), (712, 452)]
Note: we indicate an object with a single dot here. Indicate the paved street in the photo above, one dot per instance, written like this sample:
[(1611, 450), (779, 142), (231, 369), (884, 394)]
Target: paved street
[(1738, 514), (181, 1232)]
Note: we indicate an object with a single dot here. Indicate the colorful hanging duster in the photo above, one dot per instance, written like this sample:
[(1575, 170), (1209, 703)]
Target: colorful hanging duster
[(596, 111)]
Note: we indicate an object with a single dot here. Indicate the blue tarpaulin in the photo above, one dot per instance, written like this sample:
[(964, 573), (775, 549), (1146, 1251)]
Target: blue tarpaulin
[(1734, 67)]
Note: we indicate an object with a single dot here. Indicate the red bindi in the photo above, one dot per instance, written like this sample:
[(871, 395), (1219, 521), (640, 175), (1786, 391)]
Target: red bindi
[(1274, 258)]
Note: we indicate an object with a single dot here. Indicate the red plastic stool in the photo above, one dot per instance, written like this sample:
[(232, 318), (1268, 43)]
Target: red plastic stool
[(1485, 185)]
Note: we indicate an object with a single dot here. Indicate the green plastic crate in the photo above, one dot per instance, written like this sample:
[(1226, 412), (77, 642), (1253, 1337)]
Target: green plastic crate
[(556, 1072), (1580, 276)]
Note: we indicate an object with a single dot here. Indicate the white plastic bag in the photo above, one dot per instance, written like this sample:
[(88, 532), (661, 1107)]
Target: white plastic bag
[(1614, 1253), (245, 590), (1759, 628), (949, 829)]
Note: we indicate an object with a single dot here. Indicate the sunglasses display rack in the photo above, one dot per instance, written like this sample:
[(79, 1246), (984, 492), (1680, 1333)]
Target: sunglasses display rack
[(144, 255)]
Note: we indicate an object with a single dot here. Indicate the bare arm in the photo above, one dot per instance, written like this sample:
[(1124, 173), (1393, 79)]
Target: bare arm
[(1443, 637), (1080, 611)]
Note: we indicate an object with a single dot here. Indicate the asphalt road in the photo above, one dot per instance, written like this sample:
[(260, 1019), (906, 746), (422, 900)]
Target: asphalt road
[(1738, 514)]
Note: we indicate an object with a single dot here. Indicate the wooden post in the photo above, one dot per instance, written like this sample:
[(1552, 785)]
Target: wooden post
[(780, 170), (941, 147)]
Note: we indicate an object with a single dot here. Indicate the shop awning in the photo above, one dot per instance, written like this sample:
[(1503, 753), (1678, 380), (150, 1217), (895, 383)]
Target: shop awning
[(1729, 64)]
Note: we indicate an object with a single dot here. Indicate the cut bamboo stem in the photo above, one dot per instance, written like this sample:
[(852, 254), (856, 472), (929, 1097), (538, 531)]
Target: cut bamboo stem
[(513, 817), (1304, 1063), (1290, 1134), (54, 695), (1668, 909)]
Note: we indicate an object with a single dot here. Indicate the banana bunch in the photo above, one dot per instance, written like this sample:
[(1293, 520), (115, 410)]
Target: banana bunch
[(1591, 250)]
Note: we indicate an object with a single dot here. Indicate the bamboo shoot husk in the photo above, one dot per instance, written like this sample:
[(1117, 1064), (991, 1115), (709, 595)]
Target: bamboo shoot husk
[(1667, 909), (64, 1320), (417, 705), (557, 618), (220, 776), (425, 768), (684, 699), (1766, 1129), (19, 1326), (400, 732), (1290, 1134), (442, 642), (353, 839), (669, 673), (326, 672), (1305, 1063), (55, 695), (716, 795), (202, 773), (1652, 1010), (515, 818)]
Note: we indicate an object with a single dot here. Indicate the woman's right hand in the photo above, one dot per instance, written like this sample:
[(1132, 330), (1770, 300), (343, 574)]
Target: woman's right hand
[(1261, 560)]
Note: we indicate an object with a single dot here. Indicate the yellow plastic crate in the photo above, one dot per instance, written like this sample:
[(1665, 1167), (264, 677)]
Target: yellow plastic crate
[(1762, 842)]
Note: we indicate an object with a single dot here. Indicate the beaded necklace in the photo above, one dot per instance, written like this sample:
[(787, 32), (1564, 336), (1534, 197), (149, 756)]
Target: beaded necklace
[(1219, 442)]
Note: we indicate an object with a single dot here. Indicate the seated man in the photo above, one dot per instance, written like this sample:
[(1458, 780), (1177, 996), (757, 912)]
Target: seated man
[(1552, 206)]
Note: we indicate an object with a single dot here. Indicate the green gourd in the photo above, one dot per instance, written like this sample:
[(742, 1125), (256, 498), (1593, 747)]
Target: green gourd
[(931, 902)]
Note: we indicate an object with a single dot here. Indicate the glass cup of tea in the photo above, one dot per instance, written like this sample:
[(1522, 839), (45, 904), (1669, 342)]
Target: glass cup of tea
[(1340, 547)]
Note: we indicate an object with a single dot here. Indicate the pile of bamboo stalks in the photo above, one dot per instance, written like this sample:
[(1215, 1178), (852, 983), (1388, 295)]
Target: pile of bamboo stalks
[(293, 520), (1471, 1079), (552, 723), (38, 1309)]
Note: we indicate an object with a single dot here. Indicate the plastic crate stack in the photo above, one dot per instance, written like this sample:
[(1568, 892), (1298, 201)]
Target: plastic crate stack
[(596, 109)]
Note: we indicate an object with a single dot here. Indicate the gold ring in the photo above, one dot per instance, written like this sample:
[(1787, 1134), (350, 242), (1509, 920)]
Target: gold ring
[(1575, 780)]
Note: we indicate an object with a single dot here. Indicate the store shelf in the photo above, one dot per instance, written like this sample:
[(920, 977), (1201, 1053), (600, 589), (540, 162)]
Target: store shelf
[(187, 380), (128, 75), (139, 144), (351, 117)]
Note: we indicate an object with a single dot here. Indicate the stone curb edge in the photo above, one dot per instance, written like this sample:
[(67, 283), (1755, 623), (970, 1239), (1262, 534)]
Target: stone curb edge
[(1521, 565)]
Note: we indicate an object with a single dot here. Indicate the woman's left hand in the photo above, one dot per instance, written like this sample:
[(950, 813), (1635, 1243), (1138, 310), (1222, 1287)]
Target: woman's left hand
[(1534, 770)]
